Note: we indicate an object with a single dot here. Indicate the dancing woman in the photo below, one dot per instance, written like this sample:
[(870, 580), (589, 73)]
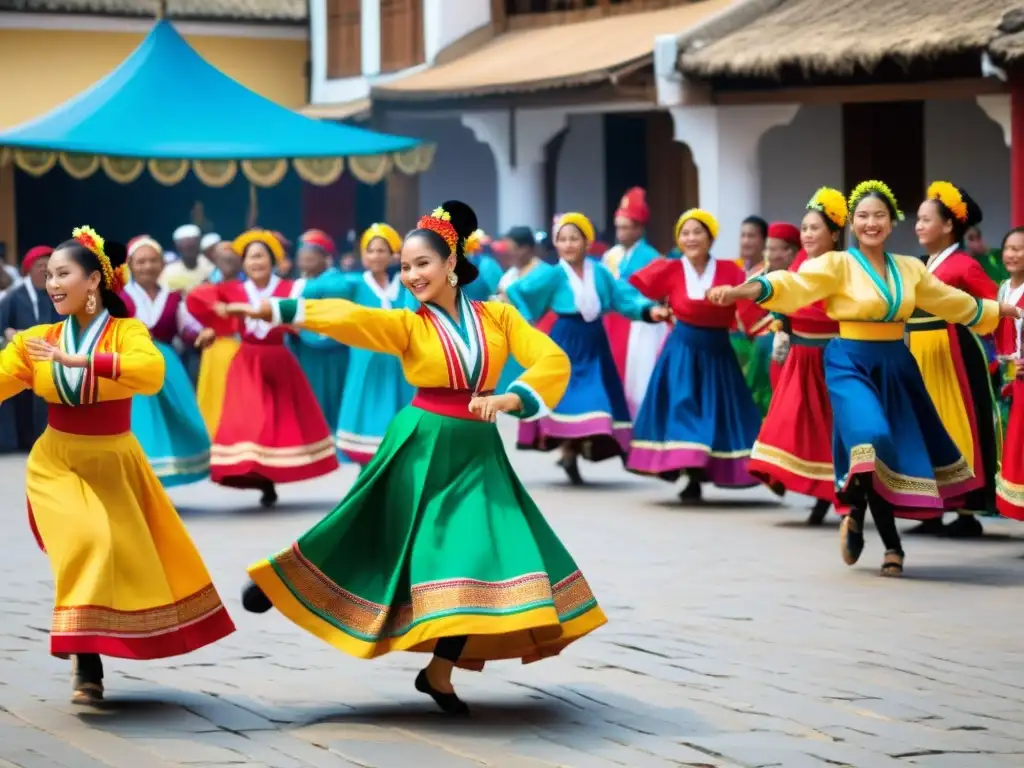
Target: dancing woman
[(953, 362), (271, 429), (129, 581), (168, 424), (890, 450), (793, 451), (437, 547), (593, 418), (1010, 480), (698, 417)]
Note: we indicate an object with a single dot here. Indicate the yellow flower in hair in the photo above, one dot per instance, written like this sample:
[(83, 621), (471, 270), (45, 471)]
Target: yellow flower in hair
[(865, 187), (90, 239), (832, 203), (441, 213), (949, 196), (474, 242), (698, 214)]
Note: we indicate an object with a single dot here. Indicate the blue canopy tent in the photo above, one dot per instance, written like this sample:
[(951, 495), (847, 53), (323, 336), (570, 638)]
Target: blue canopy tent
[(207, 123)]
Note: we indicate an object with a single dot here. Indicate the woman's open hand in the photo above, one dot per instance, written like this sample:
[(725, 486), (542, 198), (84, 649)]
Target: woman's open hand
[(42, 351), (1010, 310), (488, 407)]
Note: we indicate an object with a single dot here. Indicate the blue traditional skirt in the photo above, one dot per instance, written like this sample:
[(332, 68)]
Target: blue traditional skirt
[(885, 427), (377, 391), (170, 427), (698, 415), (326, 368), (593, 409)]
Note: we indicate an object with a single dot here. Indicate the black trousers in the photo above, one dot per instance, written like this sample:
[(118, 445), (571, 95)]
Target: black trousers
[(451, 648), (881, 512)]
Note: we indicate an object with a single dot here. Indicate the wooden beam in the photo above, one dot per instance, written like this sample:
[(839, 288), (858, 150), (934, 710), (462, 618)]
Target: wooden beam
[(965, 88), (547, 98)]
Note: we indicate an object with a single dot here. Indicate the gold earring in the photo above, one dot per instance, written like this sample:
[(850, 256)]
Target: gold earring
[(453, 279), (90, 304)]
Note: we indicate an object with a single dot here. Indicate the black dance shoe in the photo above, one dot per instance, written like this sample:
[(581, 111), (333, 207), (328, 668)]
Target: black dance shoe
[(254, 599), (572, 470), (448, 702), (269, 497), (851, 539), (932, 527), (819, 512), (964, 527), (692, 492)]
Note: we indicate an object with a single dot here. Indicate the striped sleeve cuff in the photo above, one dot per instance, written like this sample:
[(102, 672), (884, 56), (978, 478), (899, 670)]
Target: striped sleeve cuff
[(766, 288), (978, 314), (533, 404), (105, 365), (286, 311)]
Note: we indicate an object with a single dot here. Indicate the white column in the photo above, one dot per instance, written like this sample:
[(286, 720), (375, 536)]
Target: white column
[(369, 36), (997, 107), (517, 139), (724, 143)]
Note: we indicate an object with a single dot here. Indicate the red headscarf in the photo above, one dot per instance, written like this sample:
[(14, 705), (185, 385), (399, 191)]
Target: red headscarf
[(783, 230), (634, 206), (318, 239), (34, 255)]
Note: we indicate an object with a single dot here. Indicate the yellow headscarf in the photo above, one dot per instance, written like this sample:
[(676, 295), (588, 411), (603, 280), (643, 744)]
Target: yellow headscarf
[(578, 220), (699, 214), (385, 232), (264, 236)]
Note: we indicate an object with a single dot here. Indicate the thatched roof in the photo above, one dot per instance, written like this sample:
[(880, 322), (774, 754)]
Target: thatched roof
[(826, 37), (1007, 47), (234, 10)]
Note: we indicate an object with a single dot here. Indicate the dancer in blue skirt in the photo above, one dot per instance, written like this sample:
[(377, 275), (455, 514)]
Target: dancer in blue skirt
[(890, 450), (592, 420), (375, 378), (323, 360), (168, 425)]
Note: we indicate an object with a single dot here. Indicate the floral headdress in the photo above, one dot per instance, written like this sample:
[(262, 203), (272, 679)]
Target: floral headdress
[(831, 204), (698, 214), (951, 197), (475, 242), (863, 189), (440, 222), (113, 279)]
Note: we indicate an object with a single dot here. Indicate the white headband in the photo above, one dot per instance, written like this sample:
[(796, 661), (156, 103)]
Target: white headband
[(139, 242)]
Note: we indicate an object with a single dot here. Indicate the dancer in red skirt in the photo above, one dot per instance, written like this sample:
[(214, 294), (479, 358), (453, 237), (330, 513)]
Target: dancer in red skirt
[(271, 429), (1010, 480), (793, 451)]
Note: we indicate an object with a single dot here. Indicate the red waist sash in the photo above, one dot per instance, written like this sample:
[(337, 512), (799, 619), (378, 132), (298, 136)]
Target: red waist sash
[(447, 402), (113, 417)]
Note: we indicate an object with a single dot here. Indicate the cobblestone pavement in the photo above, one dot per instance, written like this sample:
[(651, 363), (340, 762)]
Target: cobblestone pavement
[(736, 638)]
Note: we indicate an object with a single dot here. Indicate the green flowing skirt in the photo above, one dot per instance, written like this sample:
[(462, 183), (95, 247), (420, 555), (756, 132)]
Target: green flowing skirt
[(436, 538)]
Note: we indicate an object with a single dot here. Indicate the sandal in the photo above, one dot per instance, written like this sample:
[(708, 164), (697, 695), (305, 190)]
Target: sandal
[(87, 694), (892, 564), (851, 540)]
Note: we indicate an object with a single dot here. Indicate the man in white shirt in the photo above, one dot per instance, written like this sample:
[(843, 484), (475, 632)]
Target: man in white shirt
[(191, 268)]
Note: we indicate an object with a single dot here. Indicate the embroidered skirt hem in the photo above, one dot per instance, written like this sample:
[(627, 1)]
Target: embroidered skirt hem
[(436, 538)]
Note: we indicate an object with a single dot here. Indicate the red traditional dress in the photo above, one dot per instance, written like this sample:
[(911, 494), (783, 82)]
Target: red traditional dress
[(793, 451), (1010, 480), (271, 428), (955, 370)]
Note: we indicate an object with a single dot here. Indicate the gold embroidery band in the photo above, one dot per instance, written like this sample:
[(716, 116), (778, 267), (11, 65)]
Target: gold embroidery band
[(168, 630), (371, 621)]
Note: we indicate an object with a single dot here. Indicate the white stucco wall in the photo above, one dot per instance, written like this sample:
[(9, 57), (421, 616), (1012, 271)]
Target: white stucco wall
[(581, 169), (962, 145), (445, 21)]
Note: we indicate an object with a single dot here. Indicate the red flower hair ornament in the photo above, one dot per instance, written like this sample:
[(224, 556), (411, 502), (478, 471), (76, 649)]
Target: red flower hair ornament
[(440, 223)]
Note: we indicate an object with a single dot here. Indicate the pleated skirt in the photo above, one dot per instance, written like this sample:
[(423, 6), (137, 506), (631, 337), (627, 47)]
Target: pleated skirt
[(698, 416), (213, 378), (437, 538), (378, 391), (886, 429), (170, 427), (593, 410), (793, 451)]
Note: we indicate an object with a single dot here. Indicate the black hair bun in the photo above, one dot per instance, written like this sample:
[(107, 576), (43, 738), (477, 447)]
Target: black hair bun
[(974, 215), (463, 218), (116, 252)]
